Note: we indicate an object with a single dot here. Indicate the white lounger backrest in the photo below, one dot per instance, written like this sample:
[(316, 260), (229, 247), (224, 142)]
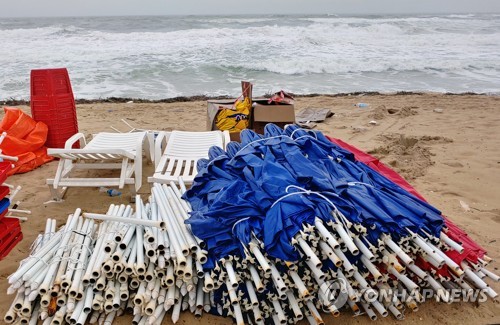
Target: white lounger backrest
[(123, 141), (182, 150), (192, 144), (104, 146)]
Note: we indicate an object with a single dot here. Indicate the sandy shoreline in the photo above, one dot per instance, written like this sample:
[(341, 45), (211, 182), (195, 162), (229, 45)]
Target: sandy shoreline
[(448, 157), (194, 98)]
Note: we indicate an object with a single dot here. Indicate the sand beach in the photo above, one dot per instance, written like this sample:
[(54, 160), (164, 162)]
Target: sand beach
[(447, 146)]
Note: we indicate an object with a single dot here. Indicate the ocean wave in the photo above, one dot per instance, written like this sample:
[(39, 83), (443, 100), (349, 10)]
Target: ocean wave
[(113, 58)]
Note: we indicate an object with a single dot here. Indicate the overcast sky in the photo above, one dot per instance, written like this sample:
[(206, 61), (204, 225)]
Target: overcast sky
[(30, 8)]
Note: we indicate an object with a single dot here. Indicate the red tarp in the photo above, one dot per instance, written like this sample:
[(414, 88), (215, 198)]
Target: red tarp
[(25, 139), (472, 251)]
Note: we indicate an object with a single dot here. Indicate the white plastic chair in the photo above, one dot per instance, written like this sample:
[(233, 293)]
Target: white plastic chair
[(177, 152), (107, 151)]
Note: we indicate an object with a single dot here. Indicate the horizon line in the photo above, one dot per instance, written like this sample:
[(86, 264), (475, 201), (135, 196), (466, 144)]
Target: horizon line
[(256, 14)]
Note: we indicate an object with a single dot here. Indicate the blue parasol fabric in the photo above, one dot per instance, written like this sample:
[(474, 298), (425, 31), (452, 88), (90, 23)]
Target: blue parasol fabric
[(247, 190)]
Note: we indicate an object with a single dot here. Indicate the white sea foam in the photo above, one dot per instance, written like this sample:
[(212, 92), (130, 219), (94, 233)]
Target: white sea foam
[(164, 57)]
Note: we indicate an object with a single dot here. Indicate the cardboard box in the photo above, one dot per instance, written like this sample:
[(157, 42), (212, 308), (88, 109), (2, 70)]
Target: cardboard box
[(264, 113), (235, 136), (212, 109)]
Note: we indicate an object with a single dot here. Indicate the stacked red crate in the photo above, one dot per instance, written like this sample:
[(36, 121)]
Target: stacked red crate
[(10, 229), (52, 102)]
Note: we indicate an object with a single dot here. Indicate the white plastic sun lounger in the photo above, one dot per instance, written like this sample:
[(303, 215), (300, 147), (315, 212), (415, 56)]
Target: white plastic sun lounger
[(106, 151), (177, 152)]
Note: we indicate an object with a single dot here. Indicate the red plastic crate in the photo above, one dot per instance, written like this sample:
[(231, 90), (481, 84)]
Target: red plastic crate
[(4, 168), (3, 214), (64, 131), (48, 82), (53, 103), (9, 242), (10, 235), (14, 240), (4, 191)]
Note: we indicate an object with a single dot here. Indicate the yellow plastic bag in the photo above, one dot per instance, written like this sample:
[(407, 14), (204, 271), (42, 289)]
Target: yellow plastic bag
[(236, 119)]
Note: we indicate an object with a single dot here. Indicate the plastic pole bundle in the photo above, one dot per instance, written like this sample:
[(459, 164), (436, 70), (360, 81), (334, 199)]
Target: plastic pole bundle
[(146, 261)]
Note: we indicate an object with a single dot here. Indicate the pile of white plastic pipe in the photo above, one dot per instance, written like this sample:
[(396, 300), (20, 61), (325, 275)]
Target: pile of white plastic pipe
[(148, 263), (145, 261)]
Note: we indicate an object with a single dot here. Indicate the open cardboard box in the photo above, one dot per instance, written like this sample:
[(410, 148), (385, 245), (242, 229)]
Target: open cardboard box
[(262, 113), (213, 107)]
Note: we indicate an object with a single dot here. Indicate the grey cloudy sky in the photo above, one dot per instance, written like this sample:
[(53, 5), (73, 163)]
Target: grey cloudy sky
[(30, 8)]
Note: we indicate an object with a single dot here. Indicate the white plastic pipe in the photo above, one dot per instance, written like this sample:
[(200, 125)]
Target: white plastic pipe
[(294, 306), (31, 261), (371, 268), (326, 234), (181, 215), (142, 222), (418, 271), (71, 224), (254, 248), (95, 253), (412, 286), (176, 311), (237, 314), (490, 275), (76, 241), (348, 242), (176, 245), (279, 311), (398, 251), (83, 256), (363, 249), (278, 281), (301, 288), (231, 274), (309, 253), (350, 291), (427, 249), (348, 268), (369, 311), (314, 312), (450, 242), (233, 296), (208, 282)]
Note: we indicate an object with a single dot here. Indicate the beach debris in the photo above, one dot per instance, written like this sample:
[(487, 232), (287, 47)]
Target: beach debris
[(281, 97), (359, 129), (361, 105), (109, 191), (438, 110), (317, 115), (373, 122), (307, 125), (464, 206), (130, 102), (257, 249)]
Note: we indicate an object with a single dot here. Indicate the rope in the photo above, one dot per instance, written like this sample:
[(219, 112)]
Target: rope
[(258, 140), (336, 214)]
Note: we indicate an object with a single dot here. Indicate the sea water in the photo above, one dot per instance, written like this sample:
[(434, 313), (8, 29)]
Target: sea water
[(168, 56)]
